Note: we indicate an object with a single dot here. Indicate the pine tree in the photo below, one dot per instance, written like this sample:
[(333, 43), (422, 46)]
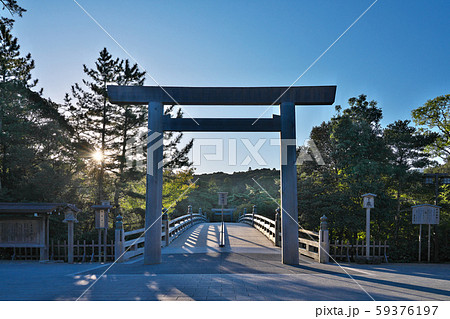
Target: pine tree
[(12, 7), (116, 131), (94, 118), (131, 119), (14, 71)]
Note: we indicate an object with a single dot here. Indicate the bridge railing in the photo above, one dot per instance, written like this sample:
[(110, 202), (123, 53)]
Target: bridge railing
[(265, 225), (178, 225), (316, 246), (128, 248), (309, 246), (313, 244)]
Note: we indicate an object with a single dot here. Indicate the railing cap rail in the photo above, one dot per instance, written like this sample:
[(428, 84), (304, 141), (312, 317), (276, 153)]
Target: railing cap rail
[(264, 218)]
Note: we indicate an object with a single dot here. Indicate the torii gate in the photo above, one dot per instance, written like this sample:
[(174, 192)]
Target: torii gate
[(156, 97)]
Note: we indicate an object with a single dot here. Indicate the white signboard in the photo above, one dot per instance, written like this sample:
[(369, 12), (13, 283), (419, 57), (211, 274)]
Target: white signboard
[(223, 198), (425, 214), (368, 202), (101, 217)]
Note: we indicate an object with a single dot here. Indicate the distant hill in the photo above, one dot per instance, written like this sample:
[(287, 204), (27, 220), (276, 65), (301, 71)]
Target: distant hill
[(243, 191)]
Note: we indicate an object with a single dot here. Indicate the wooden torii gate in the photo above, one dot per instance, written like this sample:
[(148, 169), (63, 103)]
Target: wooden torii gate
[(287, 97)]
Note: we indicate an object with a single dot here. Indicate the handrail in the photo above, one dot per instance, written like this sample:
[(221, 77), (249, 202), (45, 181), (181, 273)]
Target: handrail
[(267, 226), (263, 224), (309, 246), (134, 232), (244, 217), (320, 249), (178, 225), (308, 232), (179, 218), (134, 247)]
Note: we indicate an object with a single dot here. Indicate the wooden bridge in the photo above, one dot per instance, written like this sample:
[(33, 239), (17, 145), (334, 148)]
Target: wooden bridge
[(193, 233), (254, 233)]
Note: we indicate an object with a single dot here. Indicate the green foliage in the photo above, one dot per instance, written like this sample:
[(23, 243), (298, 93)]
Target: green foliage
[(33, 135), (435, 116), (46, 150), (94, 117), (243, 192), (360, 157), (13, 7)]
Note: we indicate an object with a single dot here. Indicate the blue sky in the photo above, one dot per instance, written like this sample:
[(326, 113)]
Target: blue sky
[(397, 53)]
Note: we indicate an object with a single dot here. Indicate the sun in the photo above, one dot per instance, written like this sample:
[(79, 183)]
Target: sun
[(97, 156)]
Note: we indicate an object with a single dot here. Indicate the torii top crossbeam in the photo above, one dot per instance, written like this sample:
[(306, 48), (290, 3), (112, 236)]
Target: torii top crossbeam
[(298, 95)]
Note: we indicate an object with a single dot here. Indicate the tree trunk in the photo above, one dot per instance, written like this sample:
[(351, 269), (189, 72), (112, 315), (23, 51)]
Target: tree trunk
[(103, 149), (119, 181), (397, 216)]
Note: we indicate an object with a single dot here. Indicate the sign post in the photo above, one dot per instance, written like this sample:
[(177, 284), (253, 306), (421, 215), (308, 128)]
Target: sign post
[(70, 219), (425, 214), (368, 203), (222, 201), (101, 223)]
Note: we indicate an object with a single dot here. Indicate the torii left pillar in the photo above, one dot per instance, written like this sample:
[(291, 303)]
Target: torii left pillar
[(153, 203)]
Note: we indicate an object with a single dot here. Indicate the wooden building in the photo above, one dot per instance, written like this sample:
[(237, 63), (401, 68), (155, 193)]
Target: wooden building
[(26, 225)]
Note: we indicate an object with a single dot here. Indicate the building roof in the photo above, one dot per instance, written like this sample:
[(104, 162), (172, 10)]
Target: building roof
[(101, 206), (26, 208)]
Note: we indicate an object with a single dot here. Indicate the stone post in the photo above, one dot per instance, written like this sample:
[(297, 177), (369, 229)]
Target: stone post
[(253, 215), (71, 218), (367, 233), (165, 218), (324, 243), (119, 239), (190, 214), (70, 241), (200, 211), (43, 238), (277, 227)]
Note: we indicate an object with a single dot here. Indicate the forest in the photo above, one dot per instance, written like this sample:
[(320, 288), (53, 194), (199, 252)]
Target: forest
[(87, 149)]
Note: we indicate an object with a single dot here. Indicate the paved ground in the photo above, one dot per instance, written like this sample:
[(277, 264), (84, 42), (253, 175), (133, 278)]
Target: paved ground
[(248, 268)]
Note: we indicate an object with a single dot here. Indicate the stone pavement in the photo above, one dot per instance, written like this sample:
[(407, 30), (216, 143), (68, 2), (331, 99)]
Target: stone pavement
[(194, 268)]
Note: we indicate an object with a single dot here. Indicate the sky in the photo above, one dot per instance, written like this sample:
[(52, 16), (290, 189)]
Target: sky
[(397, 53)]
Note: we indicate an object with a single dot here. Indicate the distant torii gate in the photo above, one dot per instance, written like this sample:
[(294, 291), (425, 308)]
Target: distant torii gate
[(156, 97)]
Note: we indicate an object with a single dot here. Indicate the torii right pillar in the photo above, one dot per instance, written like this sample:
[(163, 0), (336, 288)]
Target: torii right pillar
[(289, 205)]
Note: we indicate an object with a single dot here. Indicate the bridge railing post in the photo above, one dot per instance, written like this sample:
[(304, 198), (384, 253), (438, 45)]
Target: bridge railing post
[(277, 227), (119, 237), (165, 218), (190, 214), (253, 215), (324, 243)]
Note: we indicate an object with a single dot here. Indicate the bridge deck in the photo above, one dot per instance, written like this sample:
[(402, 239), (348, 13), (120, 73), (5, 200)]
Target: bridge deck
[(239, 238)]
